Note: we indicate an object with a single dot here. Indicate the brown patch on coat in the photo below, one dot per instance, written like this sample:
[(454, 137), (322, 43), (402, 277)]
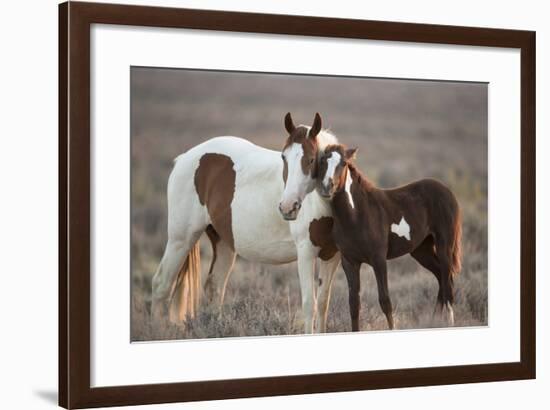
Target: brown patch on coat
[(320, 234), (215, 185)]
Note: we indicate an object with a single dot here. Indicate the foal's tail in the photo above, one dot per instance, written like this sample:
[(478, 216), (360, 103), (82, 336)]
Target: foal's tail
[(456, 262), (187, 289)]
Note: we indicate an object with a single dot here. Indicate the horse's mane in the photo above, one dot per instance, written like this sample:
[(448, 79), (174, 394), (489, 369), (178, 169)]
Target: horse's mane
[(326, 138)]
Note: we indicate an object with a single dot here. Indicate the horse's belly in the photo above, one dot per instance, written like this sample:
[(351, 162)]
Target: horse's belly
[(273, 254), (258, 244), (260, 233)]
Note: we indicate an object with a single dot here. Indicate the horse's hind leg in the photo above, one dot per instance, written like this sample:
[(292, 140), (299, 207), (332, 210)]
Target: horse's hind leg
[(165, 277), (326, 275), (381, 273), (425, 255), (352, 271), (183, 235), (223, 259)]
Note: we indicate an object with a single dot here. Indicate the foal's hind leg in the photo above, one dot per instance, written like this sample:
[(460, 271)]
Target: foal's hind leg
[(381, 273), (425, 255), (352, 271), (223, 259), (443, 251)]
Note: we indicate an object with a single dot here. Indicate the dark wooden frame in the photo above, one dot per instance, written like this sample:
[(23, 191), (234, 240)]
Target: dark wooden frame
[(75, 20)]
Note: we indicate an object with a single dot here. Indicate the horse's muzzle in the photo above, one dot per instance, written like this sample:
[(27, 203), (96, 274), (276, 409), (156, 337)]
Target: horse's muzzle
[(292, 214)]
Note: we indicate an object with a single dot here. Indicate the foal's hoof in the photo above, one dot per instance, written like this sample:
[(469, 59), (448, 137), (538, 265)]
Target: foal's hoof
[(443, 316), (449, 314)]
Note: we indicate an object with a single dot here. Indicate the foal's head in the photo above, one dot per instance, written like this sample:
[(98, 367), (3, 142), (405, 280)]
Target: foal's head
[(334, 169), (300, 165)]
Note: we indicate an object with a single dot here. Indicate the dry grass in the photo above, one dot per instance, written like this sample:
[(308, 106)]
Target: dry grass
[(404, 130)]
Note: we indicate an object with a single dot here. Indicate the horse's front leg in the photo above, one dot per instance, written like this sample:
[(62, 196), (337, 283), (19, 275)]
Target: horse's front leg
[(306, 272), (326, 275)]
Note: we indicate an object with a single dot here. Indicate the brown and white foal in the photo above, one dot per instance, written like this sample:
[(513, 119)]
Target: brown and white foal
[(372, 225)]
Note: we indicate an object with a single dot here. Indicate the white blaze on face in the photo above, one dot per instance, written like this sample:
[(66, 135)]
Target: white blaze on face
[(403, 229), (332, 163), (296, 181), (348, 189)]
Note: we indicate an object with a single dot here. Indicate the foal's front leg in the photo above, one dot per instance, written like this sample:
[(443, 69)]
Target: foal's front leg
[(306, 272), (352, 270), (381, 273)]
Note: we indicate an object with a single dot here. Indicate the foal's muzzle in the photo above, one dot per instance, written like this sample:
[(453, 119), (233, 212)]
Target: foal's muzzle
[(326, 191), (292, 214)]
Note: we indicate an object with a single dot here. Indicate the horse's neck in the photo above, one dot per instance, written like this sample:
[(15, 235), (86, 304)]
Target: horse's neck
[(317, 204)]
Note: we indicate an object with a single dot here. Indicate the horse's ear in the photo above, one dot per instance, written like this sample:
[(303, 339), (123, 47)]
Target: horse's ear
[(289, 125), (350, 154), (316, 127)]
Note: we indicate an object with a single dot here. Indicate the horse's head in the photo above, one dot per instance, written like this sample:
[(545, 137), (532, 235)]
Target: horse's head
[(300, 165), (334, 168)]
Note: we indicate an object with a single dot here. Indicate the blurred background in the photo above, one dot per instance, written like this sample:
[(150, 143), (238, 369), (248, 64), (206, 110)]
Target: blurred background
[(404, 129)]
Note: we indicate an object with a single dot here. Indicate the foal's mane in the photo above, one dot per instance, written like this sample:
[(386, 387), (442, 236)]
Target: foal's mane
[(364, 182)]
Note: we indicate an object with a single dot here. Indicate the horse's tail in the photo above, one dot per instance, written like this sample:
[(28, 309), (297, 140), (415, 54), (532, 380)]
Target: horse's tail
[(456, 261), (187, 289)]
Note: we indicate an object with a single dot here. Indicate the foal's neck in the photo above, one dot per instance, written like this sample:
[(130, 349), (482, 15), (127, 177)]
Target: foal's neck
[(360, 181), (354, 191)]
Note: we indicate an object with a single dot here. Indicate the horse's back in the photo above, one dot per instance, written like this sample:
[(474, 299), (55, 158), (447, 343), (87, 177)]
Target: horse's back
[(234, 147), (238, 151), (239, 184)]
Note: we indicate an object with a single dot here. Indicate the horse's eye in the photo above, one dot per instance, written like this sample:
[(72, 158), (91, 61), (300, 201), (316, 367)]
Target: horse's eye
[(283, 156), (311, 161)]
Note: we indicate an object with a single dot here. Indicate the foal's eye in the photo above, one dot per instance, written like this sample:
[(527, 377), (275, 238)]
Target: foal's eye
[(311, 161)]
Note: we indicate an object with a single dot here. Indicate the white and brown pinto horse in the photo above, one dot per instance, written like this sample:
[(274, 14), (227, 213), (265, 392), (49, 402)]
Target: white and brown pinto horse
[(232, 189), (372, 225)]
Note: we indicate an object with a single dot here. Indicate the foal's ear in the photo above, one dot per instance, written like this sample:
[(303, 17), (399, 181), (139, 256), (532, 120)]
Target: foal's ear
[(351, 154), (316, 127), (289, 125)]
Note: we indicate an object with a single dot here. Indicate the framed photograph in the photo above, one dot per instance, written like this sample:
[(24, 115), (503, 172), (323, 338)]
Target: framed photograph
[(255, 205)]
